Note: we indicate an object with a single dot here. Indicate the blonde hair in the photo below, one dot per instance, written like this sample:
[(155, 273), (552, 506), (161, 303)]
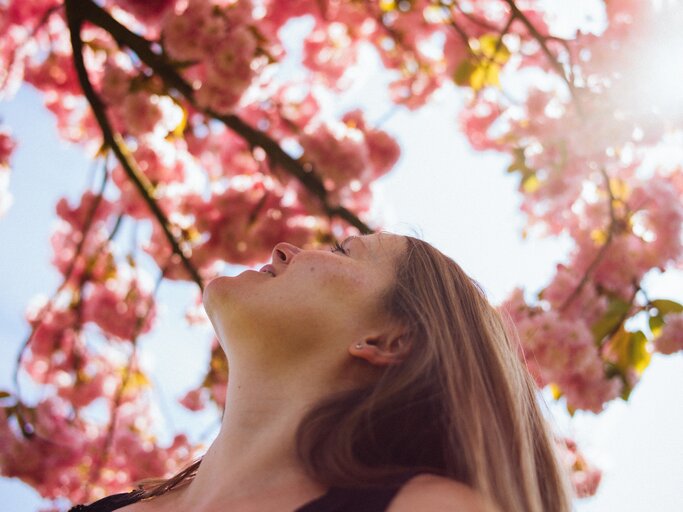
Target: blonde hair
[(461, 405)]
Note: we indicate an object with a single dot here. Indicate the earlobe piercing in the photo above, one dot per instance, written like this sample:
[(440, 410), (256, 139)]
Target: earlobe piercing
[(359, 345)]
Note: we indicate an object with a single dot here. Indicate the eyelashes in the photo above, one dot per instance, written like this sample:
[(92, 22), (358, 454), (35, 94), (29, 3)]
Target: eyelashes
[(337, 247)]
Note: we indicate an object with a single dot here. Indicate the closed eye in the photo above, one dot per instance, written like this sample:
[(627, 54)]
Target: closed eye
[(337, 247)]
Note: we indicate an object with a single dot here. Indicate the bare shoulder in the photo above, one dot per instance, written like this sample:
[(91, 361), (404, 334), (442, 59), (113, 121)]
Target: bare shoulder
[(433, 493)]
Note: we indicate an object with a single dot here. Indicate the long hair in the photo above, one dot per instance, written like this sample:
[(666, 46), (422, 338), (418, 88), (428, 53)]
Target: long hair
[(460, 405)]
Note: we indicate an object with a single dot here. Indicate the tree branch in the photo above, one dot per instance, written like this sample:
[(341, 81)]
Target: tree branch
[(601, 254), (75, 17), (90, 217), (92, 12), (541, 39), (96, 469)]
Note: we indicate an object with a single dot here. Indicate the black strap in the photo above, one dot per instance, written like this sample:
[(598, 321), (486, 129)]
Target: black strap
[(109, 503), (336, 499), (340, 499)]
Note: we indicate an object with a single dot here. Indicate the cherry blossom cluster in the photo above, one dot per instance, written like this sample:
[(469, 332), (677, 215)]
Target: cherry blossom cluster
[(81, 350), (221, 46), (586, 157), (214, 386), (65, 448), (584, 476)]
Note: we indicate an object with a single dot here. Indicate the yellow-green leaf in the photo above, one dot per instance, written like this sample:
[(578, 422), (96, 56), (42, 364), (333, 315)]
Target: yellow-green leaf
[(387, 5), (665, 306), (627, 350), (616, 309), (656, 324), (492, 48), (464, 71), (180, 128), (530, 183)]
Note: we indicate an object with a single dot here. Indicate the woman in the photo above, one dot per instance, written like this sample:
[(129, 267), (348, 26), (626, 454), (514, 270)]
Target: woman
[(375, 376)]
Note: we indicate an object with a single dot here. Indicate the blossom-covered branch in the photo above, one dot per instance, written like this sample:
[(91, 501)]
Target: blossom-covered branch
[(75, 20), (256, 138)]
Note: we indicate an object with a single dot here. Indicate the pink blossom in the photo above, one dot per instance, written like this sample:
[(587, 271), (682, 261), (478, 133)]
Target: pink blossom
[(55, 73), (587, 304), (194, 400), (116, 82), (217, 38), (383, 150), (48, 461), (660, 213), (140, 112), (562, 352), (147, 11), (232, 54), (55, 330), (670, 339), (91, 210), (95, 262), (476, 121), (122, 309), (289, 109), (5, 195), (7, 147), (245, 221), (330, 52), (338, 153), (181, 31), (584, 476)]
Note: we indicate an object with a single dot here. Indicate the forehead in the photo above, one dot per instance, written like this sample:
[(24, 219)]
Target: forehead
[(378, 246)]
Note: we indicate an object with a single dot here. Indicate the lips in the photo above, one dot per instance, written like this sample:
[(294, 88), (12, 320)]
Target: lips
[(268, 269)]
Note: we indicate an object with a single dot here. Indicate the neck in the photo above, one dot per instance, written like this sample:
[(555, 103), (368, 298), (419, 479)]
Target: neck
[(255, 451)]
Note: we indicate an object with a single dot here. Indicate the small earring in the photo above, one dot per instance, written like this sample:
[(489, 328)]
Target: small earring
[(359, 345)]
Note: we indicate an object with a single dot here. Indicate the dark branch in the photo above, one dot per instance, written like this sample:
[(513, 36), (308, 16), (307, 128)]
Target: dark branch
[(256, 138), (74, 13)]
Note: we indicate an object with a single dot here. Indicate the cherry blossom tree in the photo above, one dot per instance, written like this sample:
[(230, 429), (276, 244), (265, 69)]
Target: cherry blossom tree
[(203, 139)]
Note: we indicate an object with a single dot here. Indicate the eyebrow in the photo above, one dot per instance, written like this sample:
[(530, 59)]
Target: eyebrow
[(351, 238)]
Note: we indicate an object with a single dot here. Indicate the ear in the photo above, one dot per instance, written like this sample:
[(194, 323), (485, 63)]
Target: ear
[(382, 349)]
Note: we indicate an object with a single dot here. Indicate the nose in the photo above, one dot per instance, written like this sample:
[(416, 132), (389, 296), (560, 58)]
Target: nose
[(284, 252)]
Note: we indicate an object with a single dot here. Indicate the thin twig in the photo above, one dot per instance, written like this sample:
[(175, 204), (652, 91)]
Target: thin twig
[(542, 41), (89, 219), (118, 396), (601, 253)]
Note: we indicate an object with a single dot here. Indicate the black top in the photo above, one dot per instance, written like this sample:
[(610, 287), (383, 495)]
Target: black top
[(336, 499)]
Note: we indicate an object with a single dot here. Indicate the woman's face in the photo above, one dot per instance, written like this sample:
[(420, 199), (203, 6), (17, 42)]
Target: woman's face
[(316, 301)]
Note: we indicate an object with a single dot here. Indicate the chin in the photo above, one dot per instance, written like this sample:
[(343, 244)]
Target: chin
[(228, 300)]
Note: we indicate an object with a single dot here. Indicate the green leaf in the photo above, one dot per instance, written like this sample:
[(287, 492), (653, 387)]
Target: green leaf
[(656, 324), (482, 68), (640, 357), (628, 350), (463, 72), (616, 309), (493, 48), (665, 306)]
